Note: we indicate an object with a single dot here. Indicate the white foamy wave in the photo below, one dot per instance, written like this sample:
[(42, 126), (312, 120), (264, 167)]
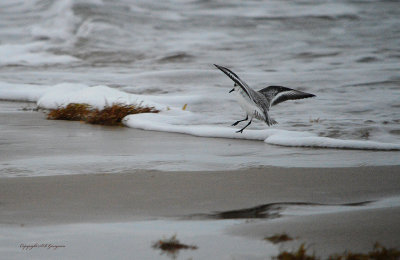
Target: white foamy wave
[(31, 54), (60, 95), (172, 117), (21, 92), (294, 139), (58, 22), (96, 96), (283, 9), (185, 122)]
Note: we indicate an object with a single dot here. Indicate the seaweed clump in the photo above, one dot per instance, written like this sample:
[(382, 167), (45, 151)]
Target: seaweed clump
[(379, 252), (109, 115), (279, 238), (300, 254), (171, 246)]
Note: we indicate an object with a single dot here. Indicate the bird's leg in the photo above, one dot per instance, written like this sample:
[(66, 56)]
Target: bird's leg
[(241, 130), (237, 122)]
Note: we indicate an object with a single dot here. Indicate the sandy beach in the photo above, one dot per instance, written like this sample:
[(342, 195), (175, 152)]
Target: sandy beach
[(143, 194), (28, 202), (78, 185), (30, 145)]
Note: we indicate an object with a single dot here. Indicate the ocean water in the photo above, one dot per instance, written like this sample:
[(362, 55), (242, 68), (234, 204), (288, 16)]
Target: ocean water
[(161, 54)]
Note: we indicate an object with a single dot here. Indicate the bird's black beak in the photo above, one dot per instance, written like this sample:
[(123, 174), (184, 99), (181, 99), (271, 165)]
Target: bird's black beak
[(232, 90)]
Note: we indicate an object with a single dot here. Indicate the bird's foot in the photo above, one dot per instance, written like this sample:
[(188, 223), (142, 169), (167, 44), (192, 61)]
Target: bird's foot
[(240, 131)]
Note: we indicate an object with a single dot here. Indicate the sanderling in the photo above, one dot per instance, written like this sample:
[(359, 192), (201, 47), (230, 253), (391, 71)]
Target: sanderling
[(257, 103)]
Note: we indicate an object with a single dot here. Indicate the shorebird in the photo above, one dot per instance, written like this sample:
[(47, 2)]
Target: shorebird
[(256, 104)]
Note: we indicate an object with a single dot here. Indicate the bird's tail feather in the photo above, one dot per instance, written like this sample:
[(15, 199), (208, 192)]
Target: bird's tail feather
[(271, 121)]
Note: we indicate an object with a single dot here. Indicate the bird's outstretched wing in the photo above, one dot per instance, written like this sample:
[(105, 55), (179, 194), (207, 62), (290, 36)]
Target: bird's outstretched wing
[(279, 94), (237, 80)]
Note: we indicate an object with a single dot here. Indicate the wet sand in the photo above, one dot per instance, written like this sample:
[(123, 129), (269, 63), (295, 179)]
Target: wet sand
[(101, 175), (327, 234), (146, 195), (30, 145), (142, 194)]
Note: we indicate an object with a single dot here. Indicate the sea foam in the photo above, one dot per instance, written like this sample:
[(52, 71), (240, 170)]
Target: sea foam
[(33, 53), (177, 122), (173, 118), (58, 22)]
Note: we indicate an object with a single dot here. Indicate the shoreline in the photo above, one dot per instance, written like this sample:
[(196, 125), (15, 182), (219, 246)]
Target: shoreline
[(138, 208), (60, 176), (30, 145), (141, 194)]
